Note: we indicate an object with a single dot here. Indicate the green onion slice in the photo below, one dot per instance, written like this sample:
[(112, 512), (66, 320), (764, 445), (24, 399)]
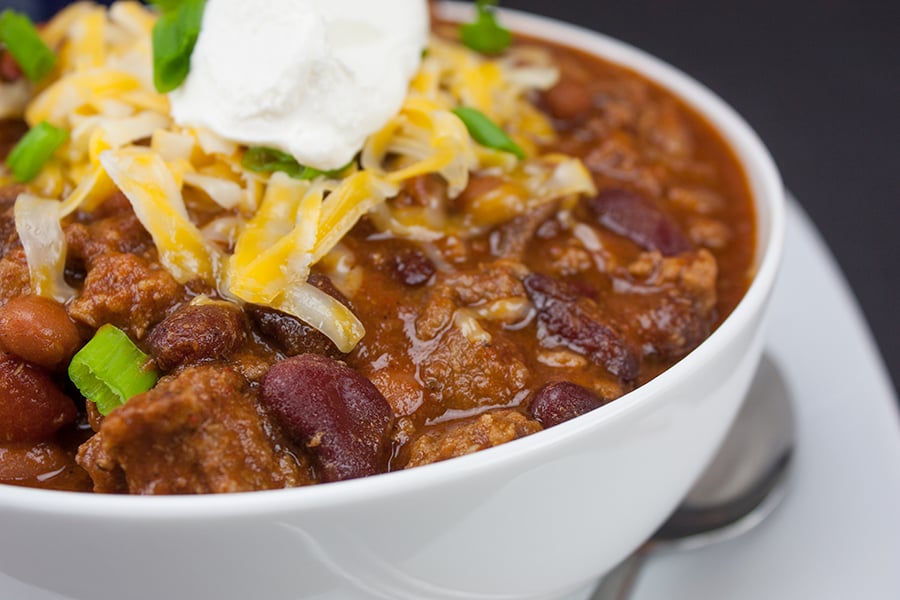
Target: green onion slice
[(486, 132), (268, 160), (166, 5), (34, 150), (174, 37), (24, 43), (110, 369), (485, 34)]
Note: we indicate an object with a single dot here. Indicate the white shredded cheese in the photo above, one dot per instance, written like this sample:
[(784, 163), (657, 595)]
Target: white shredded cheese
[(37, 223)]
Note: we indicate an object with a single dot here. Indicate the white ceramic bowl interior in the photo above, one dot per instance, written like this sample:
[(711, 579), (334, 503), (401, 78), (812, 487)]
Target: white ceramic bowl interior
[(537, 518)]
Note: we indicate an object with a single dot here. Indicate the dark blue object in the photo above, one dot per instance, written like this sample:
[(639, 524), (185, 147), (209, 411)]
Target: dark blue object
[(38, 10)]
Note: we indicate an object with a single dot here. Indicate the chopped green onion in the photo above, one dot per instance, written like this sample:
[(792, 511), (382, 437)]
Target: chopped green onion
[(486, 132), (485, 34), (268, 160), (25, 45), (110, 369), (34, 150), (166, 5), (174, 37)]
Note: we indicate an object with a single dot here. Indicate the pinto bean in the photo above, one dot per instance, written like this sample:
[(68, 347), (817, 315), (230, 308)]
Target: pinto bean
[(338, 414), (197, 333), (25, 463), (566, 319), (560, 401), (42, 465), (636, 217), (479, 185), (32, 407), (569, 100), (38, 330), (422, 190)]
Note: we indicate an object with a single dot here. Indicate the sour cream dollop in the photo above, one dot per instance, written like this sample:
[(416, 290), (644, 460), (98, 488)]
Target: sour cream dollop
[(312, 78)]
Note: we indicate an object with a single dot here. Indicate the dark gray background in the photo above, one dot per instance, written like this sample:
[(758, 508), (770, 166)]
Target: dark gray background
[(819, 80)]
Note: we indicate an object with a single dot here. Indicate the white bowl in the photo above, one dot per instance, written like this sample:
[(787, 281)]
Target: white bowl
[(537, 518)]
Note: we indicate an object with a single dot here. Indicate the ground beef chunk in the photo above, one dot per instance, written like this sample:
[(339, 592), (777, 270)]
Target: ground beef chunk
[(198, 432), (9, 239), (617, 160), (500, 280), (662, 128), (460, 438), (14, 277), (126, 290), (467, 374), (512, 238), (670, 302), (696, 199), (709, 233), (119, 233), (569, 257), (466, 366)]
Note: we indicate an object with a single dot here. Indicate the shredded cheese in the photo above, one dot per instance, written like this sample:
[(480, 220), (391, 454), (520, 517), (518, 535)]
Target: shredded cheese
[(37, 222), (149, 185), (272, 229)]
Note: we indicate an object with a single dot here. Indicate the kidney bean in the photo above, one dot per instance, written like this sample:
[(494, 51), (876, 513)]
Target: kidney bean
[(569, 100), (422, 190), (566, 319), (197, 333), (38, 330), (636, 217), (32, 407), (560, 401), (411, 267), (291, 335), (338, 414), (478, 186)]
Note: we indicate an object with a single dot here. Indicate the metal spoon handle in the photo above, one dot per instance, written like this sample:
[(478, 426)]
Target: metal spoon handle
[(617, 584)]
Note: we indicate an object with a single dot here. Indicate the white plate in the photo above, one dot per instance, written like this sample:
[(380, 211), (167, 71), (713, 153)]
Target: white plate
[(837, 534)]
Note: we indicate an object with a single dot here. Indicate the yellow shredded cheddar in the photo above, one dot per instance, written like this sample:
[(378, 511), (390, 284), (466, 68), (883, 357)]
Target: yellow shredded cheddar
[(272, 229)]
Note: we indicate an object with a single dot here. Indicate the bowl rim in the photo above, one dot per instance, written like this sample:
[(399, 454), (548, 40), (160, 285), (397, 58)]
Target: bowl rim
[(769, 203)]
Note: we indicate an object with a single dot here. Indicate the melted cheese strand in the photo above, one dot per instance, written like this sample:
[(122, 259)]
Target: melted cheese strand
[(149, 185), (281, 260), (324, 312), (37, 223)]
